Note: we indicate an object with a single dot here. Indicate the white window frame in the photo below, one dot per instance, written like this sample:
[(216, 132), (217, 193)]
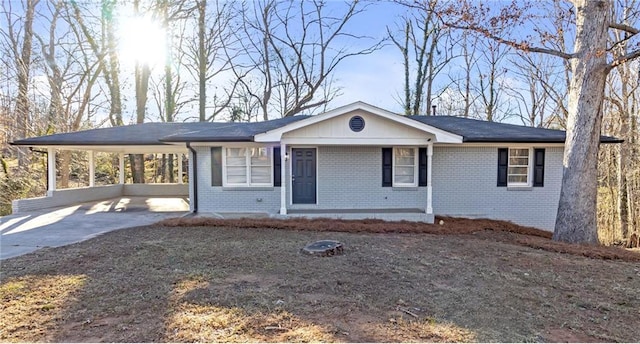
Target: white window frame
[(248, 183), (529, 167), (415, 167)]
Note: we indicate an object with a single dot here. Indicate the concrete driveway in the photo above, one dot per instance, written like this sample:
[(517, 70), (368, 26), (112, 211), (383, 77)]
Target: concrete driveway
[(24, 233)]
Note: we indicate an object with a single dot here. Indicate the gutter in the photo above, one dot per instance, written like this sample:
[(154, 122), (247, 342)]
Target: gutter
[(194, 166)]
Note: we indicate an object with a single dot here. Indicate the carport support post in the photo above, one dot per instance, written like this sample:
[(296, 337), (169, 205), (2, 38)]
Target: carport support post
[(179, 156), (51, 169), (429, 190), (121, 172), (283, 179), (92, 169)]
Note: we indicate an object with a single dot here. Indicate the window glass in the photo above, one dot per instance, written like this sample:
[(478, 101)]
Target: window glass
[(518, 171), (248, 166), (404, 166)]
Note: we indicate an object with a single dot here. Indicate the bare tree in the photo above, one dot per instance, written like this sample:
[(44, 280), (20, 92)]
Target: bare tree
[(297, 46), (19, 36), (591, 62), (491, 83), (210, 54), (623, 100), (70, 74), (531, 100), (460, 94), (425, 48), (104, 46)]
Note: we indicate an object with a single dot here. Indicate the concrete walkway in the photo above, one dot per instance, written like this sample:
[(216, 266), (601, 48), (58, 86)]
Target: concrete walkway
[(24, 233)]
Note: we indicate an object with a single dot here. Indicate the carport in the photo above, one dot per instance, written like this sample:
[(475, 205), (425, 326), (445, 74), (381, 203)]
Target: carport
[(125, 140)]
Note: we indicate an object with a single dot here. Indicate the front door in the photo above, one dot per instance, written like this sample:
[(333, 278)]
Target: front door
[(303, 172)]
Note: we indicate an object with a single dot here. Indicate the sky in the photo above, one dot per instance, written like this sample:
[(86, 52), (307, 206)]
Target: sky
[(376, 79)]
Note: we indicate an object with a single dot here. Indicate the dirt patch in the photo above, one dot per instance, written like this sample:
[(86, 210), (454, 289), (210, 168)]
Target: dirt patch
[(528, 236), (217, 284)]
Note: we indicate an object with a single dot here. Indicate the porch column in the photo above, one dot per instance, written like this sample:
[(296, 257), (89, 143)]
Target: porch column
[(51, 169), (121, 172), (429, 197), (179, 157), (283, 179), (92, 169)]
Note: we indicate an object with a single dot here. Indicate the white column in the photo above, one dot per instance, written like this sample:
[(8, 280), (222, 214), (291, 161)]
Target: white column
[(283, 179), (429, 190), (51, 168), (121, 172), (92, 169), (179, 157)]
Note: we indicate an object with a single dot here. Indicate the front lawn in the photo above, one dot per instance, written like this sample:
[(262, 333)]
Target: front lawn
[(213, 284)]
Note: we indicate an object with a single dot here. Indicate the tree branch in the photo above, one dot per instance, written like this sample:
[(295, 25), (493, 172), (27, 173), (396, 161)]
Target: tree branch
[(524, 46), (624, 27), (624, 58)]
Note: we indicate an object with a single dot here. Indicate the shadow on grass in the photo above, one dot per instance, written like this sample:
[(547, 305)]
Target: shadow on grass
[(145, 285), (158, 284)]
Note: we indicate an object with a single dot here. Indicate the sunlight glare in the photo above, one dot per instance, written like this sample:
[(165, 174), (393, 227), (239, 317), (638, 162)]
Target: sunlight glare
[(142, 40)]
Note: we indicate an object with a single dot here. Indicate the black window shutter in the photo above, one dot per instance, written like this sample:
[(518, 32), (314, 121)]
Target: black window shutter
[(277, 164), (503, 165), (422, 167), (387, 167), (216, 166), (538, 167)]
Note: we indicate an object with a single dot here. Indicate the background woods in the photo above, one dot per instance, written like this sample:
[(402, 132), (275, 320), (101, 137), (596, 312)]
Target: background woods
[(72, 65)]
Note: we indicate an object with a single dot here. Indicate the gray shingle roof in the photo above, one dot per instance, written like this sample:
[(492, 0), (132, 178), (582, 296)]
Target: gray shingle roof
[(158, 133), (231, 131), (473, 130)]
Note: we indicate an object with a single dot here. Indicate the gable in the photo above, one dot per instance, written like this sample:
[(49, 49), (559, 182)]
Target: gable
[(375, 131), (384, 127)]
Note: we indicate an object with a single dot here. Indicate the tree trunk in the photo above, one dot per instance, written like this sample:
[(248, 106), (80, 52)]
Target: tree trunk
[(576, 219), (23, 64), (64, 168), (202, 60)]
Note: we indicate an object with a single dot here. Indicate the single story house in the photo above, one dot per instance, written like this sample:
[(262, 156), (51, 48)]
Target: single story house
[(356, 161)]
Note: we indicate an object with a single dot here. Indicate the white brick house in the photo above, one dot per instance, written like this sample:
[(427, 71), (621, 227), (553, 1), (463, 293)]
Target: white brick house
[(357, 161)]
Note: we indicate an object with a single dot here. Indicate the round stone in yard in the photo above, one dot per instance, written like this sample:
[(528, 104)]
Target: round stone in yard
[(324, 248)]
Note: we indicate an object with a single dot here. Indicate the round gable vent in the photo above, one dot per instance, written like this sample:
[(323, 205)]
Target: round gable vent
[(356, 123)]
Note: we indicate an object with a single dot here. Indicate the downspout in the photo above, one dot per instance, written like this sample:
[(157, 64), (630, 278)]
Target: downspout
[(194, 167)]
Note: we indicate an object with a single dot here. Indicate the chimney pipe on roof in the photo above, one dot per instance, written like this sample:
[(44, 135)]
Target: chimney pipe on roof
[(433, 107)]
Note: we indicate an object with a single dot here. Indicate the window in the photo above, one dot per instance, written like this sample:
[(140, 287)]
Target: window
[(518, 171), (521, 167), (405, 168), (250, 166)]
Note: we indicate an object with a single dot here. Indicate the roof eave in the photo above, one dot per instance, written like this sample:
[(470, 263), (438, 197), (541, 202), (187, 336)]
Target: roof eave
[(530, 140), (79, 143), (212, 139)]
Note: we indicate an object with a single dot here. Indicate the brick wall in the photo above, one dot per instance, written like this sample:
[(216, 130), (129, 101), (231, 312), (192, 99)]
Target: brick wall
[(350, 177), (464, 184), (219, 199), (463, 179)]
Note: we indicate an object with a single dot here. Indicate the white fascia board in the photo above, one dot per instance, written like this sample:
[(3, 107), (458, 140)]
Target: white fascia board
[(234, 144), (137, 149), (351, 141), (276, 134), (506, 144)]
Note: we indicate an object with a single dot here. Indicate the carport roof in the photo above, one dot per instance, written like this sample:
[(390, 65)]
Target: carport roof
[(154, 134)]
